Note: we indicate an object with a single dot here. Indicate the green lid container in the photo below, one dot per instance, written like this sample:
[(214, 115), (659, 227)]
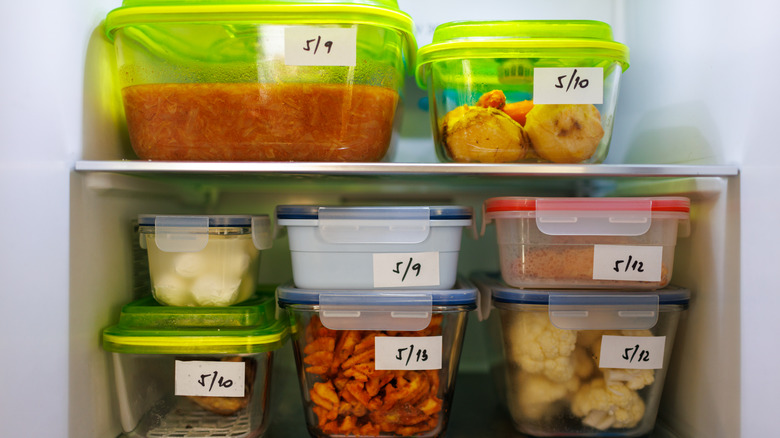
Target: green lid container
[(147, 327)]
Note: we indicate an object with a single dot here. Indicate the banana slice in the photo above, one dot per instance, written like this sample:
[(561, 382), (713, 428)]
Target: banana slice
[(483, 135), (564, 133)]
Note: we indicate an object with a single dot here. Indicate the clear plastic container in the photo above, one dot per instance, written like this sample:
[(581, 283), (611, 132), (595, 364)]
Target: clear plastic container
[(522, 91), (374, 247), (204, 260), (239, 80), (205, 370), (377, 363), (581, 363), (587, 243)]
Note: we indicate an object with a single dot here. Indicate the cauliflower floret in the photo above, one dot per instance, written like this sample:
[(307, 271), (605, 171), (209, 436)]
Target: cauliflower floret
[(536, 394), (540, 347), (583, 363), (603, 405)]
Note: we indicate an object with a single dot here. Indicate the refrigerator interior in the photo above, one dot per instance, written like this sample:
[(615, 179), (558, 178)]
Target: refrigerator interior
[(695, 94)]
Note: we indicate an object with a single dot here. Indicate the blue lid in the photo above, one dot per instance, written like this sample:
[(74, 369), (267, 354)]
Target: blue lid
[(440, 212), (463, 294), (225, 220)]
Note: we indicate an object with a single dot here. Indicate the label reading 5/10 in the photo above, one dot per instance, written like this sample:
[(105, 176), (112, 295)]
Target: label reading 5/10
[(627, 263), (209, 378), (632, 352), (574, 85), (320, 46), (408, 353), (406, 269)]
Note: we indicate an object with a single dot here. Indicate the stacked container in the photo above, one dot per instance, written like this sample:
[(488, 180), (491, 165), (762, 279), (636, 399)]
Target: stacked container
[(194, 358), (583, 319), (244, 80), (522, 91), (378, 316)]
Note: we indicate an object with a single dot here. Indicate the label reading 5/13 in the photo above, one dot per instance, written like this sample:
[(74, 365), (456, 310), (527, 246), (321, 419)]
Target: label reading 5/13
[(573, 85), (320, 46), (406, 269), (209, 378), (627, 263), (632, 352), (407, 353)]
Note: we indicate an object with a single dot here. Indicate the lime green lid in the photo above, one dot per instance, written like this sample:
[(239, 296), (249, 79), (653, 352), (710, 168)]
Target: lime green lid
[(381, 13), (147, 327), (521, 39)]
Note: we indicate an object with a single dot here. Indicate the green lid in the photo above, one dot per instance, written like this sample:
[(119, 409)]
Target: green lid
[(521, 39), (381, 13), (147, 327)]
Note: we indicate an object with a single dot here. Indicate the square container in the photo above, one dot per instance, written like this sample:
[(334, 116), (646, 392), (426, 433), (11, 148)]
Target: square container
[(374, 247), (581, 363), (587, 243), (240, 80), (377, 363), (522, 91), (204, 260), (203, 371)]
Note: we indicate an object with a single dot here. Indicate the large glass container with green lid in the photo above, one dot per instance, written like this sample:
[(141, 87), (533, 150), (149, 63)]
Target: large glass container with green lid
[(181, 370), (522, 91), (254, 80)]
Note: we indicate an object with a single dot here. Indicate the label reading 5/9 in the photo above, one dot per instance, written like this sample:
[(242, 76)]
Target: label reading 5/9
[(407, 353), (571, 85), (627, 263), (209, 378), (320, 46), (406, 269), (632, 352)]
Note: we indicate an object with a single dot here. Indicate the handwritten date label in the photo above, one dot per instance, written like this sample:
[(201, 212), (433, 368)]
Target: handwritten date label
[(580, 85), (408, 353), (632, 352), (628, 263), (209, 378), (406, 269), (320, 46)]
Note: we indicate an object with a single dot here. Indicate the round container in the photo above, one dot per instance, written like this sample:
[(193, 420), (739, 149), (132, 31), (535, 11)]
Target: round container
[(203, 370), (241, 80), (582, 363), (587, 243), (522, 91), (374, 247), (377, 363), (204, 260)]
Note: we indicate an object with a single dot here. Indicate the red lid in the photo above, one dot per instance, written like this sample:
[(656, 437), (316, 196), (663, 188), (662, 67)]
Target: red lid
[(670, 204)]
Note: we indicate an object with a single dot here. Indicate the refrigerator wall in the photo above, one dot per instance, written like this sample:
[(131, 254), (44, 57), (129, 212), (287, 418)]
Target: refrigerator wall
[(701, 90)]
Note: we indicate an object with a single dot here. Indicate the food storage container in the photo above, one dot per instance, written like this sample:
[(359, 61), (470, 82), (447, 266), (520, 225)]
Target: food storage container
[(204, 260), (582, 363), (196, 371), (374, 247), (522, 91), (243, 80), (587, 242), (377, 363)]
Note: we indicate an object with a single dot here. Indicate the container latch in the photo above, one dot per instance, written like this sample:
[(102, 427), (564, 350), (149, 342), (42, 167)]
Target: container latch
[(181, 233), (375, 311), (374, 225), (603, 312)]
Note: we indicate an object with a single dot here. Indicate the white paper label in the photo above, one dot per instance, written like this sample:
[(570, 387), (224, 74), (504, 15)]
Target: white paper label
[(632, 352), (328, 46), (210, 378), (407, 353), (625, 262), (571, 85), (406, 269)]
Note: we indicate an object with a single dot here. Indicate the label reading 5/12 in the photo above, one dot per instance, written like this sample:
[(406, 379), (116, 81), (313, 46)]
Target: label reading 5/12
[(209, 378), (574, 85), (627, 263), (632, 352), (407, 353), (406, 269), (320, 46)]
